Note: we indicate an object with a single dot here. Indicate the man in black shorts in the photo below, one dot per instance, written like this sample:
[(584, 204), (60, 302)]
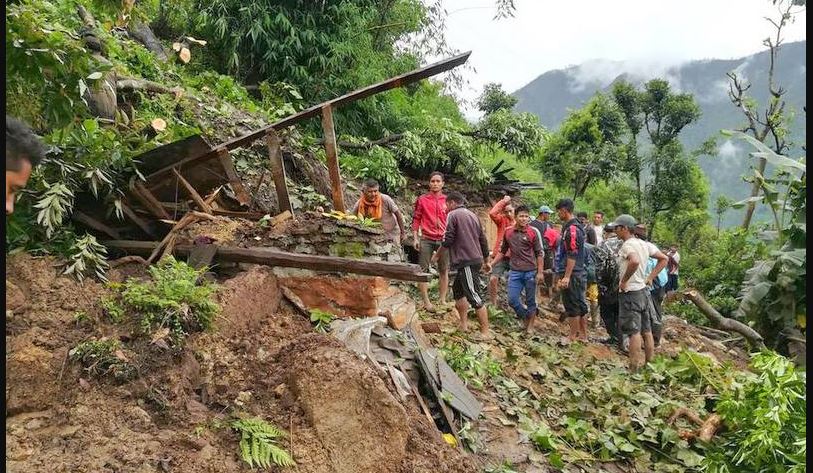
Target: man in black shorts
[(467, 245), (570, 266)]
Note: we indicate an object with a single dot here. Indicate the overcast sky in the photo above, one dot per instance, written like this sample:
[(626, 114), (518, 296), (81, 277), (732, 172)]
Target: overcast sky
[(553, 34)]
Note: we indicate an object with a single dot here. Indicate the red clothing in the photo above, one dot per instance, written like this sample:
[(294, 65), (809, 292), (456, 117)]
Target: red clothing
[(502, 222), (430, 216), (552, 235)]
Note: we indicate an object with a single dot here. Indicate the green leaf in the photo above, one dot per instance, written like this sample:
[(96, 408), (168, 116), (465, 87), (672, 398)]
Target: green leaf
[(95, 76)]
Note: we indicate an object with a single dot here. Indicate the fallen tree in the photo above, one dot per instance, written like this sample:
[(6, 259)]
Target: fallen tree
[(730, 325), (271, 257)]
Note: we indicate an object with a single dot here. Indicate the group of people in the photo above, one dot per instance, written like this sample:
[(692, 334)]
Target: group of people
[(602, 271)]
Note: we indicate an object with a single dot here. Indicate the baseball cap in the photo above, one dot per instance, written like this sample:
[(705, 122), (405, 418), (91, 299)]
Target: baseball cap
[(545, 210), (624, 220)]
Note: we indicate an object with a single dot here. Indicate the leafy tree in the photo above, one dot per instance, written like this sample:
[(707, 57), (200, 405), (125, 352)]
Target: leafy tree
[(629, 100), (588, 146), (721, 206), (494, 98)]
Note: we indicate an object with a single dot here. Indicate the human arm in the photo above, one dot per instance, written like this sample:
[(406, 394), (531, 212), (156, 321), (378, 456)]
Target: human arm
[(496, 211), (417, 216), (484, 249), (572, 242), (399, 218)]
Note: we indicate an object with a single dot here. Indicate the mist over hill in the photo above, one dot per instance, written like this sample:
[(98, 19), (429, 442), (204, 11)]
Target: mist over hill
[(553, 93)]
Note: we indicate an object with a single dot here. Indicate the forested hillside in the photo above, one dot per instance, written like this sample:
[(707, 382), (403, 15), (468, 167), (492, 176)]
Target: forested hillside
[(553, 93)]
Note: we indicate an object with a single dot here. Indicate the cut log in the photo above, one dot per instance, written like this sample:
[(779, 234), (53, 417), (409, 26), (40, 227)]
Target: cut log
[(731, 325), (158, 124), (271, 257)]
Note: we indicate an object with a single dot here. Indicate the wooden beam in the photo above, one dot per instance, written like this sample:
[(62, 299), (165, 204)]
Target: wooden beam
[(142, 224), (272, 257), (278, 171), (391, 83), (193, 193), (91, 222), (149, 200), (234, 179), (332, 159)]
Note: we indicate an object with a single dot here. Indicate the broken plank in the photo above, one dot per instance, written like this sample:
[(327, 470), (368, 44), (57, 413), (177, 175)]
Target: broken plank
[(332, 158), (201, 256), (234, 179), (278, 171), (272, 257), (142, 224), (193, 193), (430, 380), (149, 200), (91, 222)]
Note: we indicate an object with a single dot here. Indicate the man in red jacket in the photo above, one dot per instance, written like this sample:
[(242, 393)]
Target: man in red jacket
[(502, 214), (429, 219)]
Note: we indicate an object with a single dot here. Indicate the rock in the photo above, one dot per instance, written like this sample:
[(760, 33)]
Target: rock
[(138, 417), (15, 297)]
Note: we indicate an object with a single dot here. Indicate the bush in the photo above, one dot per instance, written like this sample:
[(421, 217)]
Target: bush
[(173, 299), (102, 357)]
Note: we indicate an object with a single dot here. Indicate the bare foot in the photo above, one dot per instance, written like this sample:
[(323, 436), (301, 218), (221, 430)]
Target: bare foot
[(428, 307)]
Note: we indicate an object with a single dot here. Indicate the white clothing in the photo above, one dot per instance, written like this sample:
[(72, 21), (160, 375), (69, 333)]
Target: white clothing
[(644, 250), (599, 233), (676, 257)]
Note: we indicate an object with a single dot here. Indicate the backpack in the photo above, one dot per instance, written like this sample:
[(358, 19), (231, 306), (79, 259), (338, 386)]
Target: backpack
[(544, 228), (661, 279), (590, 262)]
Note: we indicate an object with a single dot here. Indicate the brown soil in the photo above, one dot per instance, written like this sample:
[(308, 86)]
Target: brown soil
[(261, 359)]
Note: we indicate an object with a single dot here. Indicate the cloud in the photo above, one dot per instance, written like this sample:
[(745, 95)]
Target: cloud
[(600, 73), (728, 150)]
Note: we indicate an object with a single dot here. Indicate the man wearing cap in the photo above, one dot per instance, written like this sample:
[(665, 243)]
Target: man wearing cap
[(549, 238), (634, 301), (607, 277)]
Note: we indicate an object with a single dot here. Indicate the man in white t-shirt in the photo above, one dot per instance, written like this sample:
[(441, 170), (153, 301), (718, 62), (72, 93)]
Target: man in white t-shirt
[(598, 225), (634, 300)]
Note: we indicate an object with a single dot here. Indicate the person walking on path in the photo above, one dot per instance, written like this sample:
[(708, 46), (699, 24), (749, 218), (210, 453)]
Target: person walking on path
[(373, 204), (467, 246), (502, 214), (428, 227), (570, 259), (524, 242), (634, 301), (24, 150), (549, 238)]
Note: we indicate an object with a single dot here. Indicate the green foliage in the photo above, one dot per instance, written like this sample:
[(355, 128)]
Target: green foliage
[(87, 257), (172, 299), (518, 133), (765, 419), (587, 147), (494, 98), (258, 443), (113, 308), (472, 362), (104, 357), (321, 320)]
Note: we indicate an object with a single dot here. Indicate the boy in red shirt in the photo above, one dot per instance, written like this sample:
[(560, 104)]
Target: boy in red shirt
[(502, 214), (429, 219)]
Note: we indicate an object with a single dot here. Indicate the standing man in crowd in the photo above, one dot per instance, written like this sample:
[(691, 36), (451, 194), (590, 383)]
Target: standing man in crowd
[(658, 288), (24, 150), (465, 240), (502, 214), (674, 268), (570, 259), (550, 236), (527, 265), (428, 227), (608, 278), (598, 226), (634, 301), (373, 204), (589, 232)]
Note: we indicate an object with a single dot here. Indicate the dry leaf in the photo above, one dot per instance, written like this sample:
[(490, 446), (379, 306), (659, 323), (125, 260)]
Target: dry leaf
[(196, 41), (176, 47), (158, 124), (120, 355), (185, 55)]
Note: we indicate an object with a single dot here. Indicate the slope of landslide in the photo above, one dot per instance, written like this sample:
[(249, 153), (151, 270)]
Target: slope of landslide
[(260, 359)]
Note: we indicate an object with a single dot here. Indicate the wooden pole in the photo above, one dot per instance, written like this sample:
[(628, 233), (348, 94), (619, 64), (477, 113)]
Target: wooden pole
[(332, 158), (272, 257), (193, 193), (149, 200), (234, 179), (278, 171)]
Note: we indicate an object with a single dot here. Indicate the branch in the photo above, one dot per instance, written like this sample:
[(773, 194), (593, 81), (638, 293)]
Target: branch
[(731, 325)]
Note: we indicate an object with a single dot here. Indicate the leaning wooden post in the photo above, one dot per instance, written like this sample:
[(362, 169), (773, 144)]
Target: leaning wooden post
[(332, 158), (278, 171)]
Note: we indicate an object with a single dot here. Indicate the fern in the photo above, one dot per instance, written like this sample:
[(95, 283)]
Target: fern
[(258, 443)]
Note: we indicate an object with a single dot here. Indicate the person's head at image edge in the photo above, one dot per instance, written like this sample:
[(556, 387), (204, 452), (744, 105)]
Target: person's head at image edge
[(24, 150)]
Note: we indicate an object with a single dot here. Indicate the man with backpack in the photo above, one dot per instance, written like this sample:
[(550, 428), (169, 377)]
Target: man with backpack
[(607, 278), (526, 265)]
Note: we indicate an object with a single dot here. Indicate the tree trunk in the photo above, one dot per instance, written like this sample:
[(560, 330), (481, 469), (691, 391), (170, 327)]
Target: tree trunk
[(731, 325), (144, 35), (751, 206)]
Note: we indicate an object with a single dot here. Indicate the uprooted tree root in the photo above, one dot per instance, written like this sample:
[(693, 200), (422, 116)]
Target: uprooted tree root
[(707, 427)]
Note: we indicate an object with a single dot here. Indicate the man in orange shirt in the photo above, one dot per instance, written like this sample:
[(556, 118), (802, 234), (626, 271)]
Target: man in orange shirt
[(502, 214)]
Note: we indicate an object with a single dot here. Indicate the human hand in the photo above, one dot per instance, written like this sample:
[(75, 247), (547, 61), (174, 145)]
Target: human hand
[(540, 278), (416, 243), (435, 257), (564, 282), (506, 199), (486, 268), (622, 286)]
